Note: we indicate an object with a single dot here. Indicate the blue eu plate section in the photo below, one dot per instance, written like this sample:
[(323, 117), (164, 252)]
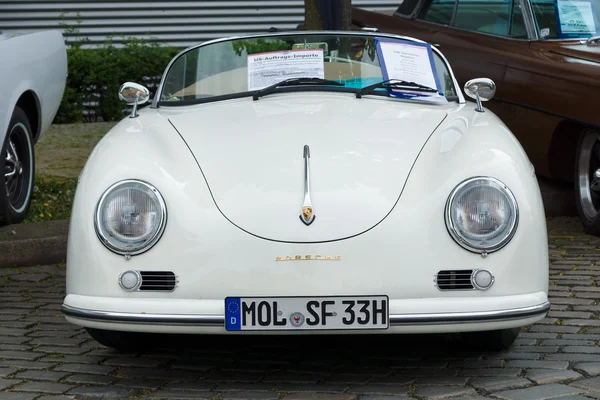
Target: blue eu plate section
[(233, 314)]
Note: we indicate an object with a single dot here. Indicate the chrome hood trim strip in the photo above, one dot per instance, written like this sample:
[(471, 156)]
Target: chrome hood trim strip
[(219, 320)]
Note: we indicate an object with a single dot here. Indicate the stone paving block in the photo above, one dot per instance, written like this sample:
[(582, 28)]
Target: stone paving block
[(574, 357), (538, 364), (43, 387), (41, 351), (581, 322), (134, 362), (19, 355), (443, 392), (580, 336), (542, 392), (312, 388), (27, 364), (543, 376), (86, 368), (29, 277), (327, 396), (590, 384), (380, 390), (590, 368), (492, 363), (250, 396), (169, 395), (554, 329), (13, 340), (140, 384), (565, 342), (69, 358), (22, 396), (162, 374), (193, 386), (581, 349), (525, 342), (58, 397), (4, 372), (57, 341), (496, 383), (35, 375), (538, 335), (105, 392), (481, 372), (6, 383), (355, 379), (576, 397), (441, 381), (90, 379)]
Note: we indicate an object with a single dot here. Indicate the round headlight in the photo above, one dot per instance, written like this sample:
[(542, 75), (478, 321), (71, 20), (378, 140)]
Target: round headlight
[(482, 214), (130, 217)]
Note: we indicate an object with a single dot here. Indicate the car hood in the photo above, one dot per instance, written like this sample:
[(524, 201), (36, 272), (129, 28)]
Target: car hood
[(361, 153)]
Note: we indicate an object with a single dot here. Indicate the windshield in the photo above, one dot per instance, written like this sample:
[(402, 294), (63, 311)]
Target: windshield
[(565, 19), (238, 67)]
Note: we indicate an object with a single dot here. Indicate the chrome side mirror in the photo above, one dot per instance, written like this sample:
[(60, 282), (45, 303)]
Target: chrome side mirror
[(133, 94), (480, 89)]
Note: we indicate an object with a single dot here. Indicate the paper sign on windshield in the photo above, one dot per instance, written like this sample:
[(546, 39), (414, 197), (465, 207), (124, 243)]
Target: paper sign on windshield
[(265, 69), (411, 62), (575, 18)]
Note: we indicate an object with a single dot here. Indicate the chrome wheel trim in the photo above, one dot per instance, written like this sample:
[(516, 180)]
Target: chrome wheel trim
[(588, 165), (18, 178)]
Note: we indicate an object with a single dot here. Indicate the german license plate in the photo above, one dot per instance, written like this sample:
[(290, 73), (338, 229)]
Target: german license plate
[(306, 313)]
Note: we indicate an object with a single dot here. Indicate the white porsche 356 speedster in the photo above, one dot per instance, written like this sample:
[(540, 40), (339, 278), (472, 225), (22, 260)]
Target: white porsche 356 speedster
[(308, 183)]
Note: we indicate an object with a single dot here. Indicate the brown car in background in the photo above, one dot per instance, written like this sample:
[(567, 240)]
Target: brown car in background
[(548, 85)]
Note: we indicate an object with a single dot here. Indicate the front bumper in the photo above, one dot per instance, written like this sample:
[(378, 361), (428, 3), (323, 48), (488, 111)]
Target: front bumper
[(406, 316)]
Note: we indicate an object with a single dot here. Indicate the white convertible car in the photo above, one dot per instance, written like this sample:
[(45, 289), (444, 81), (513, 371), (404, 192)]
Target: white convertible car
[(308, 183), (33, 74)]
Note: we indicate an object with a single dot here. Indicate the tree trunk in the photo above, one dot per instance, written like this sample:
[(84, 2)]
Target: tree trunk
[(312, 16), (327, 14)]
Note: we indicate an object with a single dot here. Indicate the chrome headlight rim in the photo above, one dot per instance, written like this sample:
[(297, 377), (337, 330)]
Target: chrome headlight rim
[(453, 230), (150, 242)]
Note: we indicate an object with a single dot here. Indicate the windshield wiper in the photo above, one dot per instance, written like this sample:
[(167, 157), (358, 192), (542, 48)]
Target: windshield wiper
[(293, 82), (394, 84)]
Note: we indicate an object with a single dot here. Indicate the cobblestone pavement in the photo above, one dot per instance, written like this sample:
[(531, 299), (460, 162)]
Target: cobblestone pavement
[(42, 356)]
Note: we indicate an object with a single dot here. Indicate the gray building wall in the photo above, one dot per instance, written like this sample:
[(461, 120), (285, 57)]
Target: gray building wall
[(178, 23)]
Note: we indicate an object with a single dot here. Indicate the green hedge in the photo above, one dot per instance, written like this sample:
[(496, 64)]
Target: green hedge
[(95, 75)]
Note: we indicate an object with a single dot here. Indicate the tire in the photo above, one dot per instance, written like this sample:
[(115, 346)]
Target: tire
[(587, 180), (17, 163), (125, 342), (491, 340)]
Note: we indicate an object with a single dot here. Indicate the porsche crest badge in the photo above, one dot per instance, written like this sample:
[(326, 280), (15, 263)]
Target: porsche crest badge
[(307, 217)]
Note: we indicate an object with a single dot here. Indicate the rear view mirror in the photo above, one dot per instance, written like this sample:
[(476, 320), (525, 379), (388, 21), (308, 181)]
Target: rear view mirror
[(480, 89), (133, 94)]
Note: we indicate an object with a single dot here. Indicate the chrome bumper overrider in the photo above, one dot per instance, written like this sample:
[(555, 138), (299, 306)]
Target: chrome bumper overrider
[(395, 319)]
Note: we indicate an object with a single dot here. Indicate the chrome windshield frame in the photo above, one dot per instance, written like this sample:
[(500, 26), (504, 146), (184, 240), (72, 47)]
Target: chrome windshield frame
[(159, 90)]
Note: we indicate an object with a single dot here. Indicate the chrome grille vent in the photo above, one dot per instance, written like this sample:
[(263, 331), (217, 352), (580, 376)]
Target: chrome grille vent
[(158, 280), (454, 279)]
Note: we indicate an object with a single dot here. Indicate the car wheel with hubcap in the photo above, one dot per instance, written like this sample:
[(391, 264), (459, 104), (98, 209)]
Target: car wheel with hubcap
[(587, 180), (17, 164), (491, 340)]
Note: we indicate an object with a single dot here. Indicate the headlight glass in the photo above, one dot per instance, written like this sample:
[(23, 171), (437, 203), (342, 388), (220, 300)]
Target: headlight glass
[(482, 214), (130, 217)]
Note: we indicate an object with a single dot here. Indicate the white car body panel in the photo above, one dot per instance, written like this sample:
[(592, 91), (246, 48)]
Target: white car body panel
[(360, 161), (398, 257), (35, 62)]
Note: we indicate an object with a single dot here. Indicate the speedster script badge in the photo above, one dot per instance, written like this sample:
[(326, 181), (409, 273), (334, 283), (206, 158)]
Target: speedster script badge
[(307, 216)]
